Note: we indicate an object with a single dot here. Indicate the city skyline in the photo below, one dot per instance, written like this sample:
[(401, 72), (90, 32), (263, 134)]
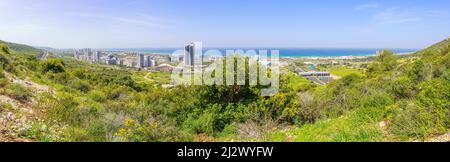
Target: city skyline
[(251, 23)]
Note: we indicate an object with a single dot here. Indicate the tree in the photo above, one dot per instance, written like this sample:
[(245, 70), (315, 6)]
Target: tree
[(387, 59)]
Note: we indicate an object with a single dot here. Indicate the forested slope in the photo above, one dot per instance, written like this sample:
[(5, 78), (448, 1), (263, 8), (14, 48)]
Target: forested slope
[(397, 100)]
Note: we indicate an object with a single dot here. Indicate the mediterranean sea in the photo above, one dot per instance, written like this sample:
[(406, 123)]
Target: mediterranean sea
[(284, 52)]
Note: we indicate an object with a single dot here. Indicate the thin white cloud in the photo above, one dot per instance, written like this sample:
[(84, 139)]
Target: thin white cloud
[(20, 27), (145, 21), (395, 16), (367, 6)]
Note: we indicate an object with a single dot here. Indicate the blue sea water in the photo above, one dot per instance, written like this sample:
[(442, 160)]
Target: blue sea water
[(284, 52)]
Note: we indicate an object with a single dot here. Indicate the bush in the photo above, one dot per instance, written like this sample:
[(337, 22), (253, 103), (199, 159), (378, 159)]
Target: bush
[(229, 130), (425, 116), (81, 85), (5, 49), (53, 65), (60, 78), (385, 61), (202, 124), (5, 63), (63, 108), (18, 92), (435, 93), (150, 130), (3, 82), (97, 96), (116, 92), (414, 121), (404, 87)]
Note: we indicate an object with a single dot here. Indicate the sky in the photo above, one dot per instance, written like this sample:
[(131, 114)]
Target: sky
[(225, 23)]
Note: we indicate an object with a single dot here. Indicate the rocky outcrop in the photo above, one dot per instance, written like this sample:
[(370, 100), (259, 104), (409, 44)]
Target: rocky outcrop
[(17, 117)]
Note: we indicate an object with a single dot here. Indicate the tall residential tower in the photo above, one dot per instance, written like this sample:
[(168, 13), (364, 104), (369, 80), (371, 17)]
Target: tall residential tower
[(189, 54), (140, 60)]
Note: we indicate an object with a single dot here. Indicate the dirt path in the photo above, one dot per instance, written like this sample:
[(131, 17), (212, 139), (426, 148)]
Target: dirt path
[(442, 138)]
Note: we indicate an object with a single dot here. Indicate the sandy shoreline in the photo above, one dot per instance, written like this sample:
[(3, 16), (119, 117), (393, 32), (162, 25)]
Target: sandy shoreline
[(339, 57)]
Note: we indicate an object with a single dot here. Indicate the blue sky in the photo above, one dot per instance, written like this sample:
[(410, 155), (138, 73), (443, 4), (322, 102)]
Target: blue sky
[(225, 23)]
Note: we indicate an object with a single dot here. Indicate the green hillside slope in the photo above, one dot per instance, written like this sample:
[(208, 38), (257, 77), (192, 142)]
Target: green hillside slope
[(25, 49), (397, 101)]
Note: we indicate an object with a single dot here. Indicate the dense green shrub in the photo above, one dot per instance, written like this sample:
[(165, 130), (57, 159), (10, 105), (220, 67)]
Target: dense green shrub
[(60, 78), (81, 85), (63, 108), (413, 120), (5, 63), (404, 87), (53, 65), (385, 61), (150, 130), (426, 116), (5, 106), (201, 124), (97, 96), (4, 49), (2, 74), (3, 82)]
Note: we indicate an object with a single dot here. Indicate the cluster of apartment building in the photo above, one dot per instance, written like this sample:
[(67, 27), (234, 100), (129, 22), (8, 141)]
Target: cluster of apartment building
[(192, 57), (87, 54), (137, 60), (92, 56), (147, 61)]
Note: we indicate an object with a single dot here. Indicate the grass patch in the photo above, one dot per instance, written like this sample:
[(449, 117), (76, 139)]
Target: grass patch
[(359, 126), (298, 83), (145, 77)]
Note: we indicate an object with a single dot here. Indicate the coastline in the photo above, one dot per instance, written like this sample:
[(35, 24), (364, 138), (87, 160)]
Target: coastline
[(340, 57), (299, 54)]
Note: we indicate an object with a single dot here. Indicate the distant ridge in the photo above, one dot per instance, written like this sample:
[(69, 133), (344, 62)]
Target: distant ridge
[(438, 47), (22, 48)]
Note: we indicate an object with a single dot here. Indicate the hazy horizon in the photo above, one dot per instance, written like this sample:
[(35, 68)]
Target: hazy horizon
[(225, 23)]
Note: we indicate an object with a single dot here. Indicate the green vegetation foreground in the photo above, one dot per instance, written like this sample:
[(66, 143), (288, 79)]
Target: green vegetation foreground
[(393, 101)]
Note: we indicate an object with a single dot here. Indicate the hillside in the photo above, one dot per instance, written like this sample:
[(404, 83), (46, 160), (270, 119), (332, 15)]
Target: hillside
[(68, 100), (18, 93), (441, 47), (396, 102)]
